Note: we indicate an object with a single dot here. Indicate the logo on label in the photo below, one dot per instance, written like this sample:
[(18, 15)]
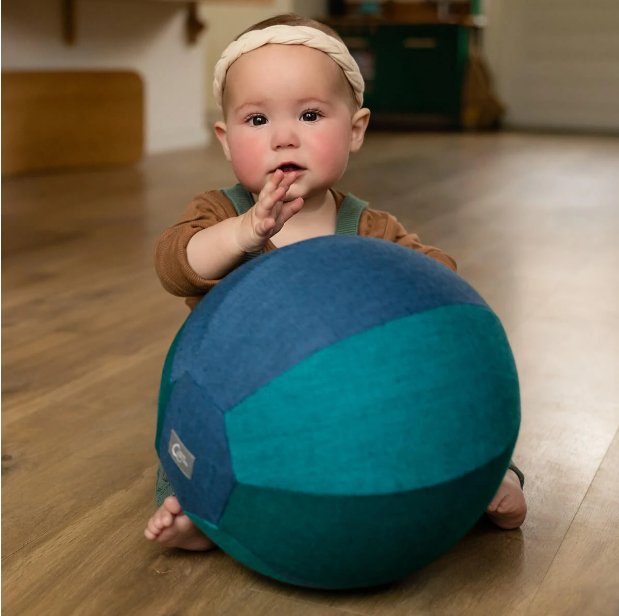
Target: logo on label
[(183, 458)]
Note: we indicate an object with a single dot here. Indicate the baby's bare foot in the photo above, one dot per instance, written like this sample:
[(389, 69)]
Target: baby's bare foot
[(508, 508), (173, 529)]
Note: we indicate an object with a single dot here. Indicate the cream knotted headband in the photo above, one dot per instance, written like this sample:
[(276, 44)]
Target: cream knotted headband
[(289, 35)]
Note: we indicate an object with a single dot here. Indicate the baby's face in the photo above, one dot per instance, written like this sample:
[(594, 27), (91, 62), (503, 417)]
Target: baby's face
[(288, 107)]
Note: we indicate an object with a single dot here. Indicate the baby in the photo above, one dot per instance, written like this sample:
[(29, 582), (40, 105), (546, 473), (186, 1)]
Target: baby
[(292, 101)]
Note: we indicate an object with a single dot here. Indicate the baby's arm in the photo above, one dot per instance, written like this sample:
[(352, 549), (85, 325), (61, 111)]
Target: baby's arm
[(216, 250)]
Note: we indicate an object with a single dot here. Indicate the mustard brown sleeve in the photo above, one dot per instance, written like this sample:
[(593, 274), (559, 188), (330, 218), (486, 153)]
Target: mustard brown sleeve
[(173, 269), (382, 225)]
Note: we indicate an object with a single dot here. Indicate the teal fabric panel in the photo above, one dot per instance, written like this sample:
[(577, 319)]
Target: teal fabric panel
[(414, 402), (351, 542)]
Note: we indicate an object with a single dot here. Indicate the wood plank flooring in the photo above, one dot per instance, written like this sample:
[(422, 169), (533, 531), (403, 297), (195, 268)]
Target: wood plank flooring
[(533, 222)]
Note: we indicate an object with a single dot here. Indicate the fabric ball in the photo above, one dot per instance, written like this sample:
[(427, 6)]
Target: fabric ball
[(339, 412)]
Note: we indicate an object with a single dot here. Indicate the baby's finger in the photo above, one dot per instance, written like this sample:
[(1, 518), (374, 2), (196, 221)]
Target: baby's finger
[(265, 226), (278, 180), (272, 184), (289, 178), (290, 208), (267, 199)]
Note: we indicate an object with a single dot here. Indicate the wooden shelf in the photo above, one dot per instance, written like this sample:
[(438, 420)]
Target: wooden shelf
[(193, 25)]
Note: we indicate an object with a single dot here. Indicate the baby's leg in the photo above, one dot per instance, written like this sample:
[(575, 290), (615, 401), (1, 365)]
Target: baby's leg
[(508, 508), (173, 529)]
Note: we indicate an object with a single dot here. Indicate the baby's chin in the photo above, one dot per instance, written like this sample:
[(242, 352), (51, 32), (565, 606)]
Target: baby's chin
[(291, 197), (294, 192)]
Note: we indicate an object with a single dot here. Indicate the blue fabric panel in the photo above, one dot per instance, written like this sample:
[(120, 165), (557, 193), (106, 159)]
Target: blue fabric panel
[(200, 426), (280, 308), (415, 402)]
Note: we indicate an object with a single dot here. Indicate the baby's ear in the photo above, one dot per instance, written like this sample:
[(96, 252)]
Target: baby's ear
[(221, 131), (360, 121)]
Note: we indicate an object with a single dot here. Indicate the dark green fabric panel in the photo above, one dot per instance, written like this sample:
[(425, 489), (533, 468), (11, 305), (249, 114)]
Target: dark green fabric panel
[(340, 542), (349, 214), (241, 198), (414, 402)]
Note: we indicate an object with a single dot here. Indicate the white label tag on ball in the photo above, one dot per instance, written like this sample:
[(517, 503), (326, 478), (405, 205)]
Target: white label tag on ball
[(182, 457)]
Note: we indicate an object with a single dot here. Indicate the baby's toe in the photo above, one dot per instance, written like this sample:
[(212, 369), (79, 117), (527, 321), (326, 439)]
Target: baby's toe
[(166, 537), (149, 534), (153, 528), (184, 523), (161, 520), (172, 505), (495, 505), (505, 508)]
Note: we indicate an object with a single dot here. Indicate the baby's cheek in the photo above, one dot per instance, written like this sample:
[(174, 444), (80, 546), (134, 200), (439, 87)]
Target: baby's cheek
[(332, 149), (244, 163)]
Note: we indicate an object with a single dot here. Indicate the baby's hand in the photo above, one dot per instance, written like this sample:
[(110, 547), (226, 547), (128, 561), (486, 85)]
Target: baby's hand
[(270, 212)]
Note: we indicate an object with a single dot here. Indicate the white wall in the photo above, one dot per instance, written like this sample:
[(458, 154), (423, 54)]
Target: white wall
[(556, 62), (148, 37)]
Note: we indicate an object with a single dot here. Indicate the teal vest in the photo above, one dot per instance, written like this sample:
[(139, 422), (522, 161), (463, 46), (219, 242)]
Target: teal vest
[(348, 214)]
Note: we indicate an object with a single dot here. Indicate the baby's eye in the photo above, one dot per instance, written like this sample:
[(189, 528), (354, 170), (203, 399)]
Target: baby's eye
[(310, 115), (257, 119)]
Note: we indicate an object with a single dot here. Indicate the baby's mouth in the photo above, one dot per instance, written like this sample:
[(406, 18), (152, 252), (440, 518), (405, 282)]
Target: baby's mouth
[(289, 167)]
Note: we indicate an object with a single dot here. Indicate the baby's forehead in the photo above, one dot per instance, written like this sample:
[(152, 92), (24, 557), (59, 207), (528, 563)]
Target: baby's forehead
[(298, 36), (314, 69), (307, 58)]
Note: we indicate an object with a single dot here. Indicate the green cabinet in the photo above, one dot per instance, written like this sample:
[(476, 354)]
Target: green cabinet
[(414, 73)]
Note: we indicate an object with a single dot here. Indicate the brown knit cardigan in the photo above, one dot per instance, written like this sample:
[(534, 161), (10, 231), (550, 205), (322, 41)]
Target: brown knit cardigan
[(209, 208)]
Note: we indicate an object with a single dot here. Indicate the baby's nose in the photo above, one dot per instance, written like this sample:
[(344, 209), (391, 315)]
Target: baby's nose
[(285, 136)]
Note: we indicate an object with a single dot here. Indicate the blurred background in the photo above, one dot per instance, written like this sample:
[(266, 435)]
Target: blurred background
[(113, 80)]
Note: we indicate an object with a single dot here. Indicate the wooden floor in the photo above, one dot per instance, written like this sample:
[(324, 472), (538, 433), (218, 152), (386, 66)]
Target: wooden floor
[(533, 221)]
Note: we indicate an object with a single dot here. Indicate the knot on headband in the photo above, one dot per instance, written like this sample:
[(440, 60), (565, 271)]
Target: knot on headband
[(289, 35)]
